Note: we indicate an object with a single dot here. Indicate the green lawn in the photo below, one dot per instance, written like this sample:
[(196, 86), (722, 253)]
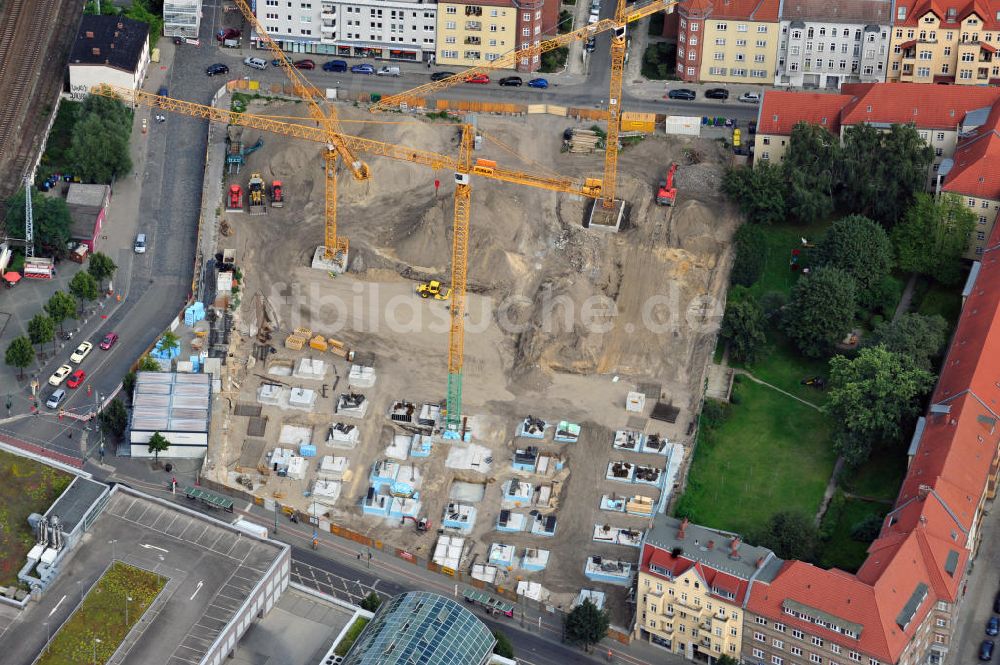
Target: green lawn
[(770, 454), (840, 550), (350, 636), (781, 240), (878, 478), (943, 300), (56, 156), (781, 365), (102, 616), (27, 487)]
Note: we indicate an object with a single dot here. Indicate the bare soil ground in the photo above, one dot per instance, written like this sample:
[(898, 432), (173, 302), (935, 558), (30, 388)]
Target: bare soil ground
[(563, 321)]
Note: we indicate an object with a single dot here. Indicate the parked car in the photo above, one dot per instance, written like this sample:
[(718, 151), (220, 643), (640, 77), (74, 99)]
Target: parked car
[(217, 68), (538, 83), (56, 398), (716, 93), (162, 92), (511, 81), (108, 341), (60, 375), (140, 244), (335, 66), (478, 78), (750, 98), (304, 64), (229, 33), (986, 650), (388, 71), (440, 76), (77, 378), (590, 45), (256, 63), (993, 626), (682, 93), (363, 69), (81, 352)]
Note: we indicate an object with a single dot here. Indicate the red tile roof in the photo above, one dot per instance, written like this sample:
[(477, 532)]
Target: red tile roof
[(781, 110), (676, 566), (975, 172), (926, 106), (745, 10), (917, 9)]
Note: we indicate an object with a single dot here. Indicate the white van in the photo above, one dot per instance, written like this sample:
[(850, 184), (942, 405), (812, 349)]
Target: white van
[(256, 63), (388, 71)]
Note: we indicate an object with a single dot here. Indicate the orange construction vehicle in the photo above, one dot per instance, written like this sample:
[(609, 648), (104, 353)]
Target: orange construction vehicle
[(667, 194), (235, 201), (277, 198)]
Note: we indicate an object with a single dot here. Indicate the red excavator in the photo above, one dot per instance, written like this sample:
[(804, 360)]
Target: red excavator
[(667, 193), (277, 198), (235, 200)]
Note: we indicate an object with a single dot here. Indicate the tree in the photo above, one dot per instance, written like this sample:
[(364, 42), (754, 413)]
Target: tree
[(743, 328), (99, 149), (51, 221), (41, 329), (169, 342), (114, 419), (148, 364), (881, 171), (872, 398), (371, 602), (726, 660), (820, 310), (19, 354), (751, 255), (128, 384), (503, 646), (859, 247), (586, 624), (759, 192), (792, 535), (60, 307), (867, 530), (158, 444), (810, 165), (933, 237), (84, 287), (101, 267), (772, 303), (915, 336)]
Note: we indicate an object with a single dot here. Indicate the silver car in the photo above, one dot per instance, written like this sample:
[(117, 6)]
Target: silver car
[(56, 398)]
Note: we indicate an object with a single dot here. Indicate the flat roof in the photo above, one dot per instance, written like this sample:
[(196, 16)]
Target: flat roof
[(171, 402), (211, 569), (75, 501), (90, 196)]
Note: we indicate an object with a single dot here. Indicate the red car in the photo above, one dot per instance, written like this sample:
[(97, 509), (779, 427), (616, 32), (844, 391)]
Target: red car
[(230, 33), (76, 379), (478, 78), (108, 341), (304, 64)]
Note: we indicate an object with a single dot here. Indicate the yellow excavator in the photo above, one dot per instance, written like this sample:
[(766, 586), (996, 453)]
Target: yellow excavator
[(434, 288)]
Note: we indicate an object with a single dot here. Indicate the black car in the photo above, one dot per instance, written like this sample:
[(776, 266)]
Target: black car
[(217, 68), (682, 93), (986, 650), (440, 76), (514, 81), (993, 626), (590, 44), (716, 93)]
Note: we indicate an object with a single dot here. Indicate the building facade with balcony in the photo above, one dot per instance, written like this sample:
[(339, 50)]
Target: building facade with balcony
[(824, 44), (478, 33), (692, 585), (384, 29), (732, 41), (934, 41)]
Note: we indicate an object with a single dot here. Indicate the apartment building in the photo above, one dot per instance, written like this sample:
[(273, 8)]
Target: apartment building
[(729, 41), (826, 44), (385, 29), (974, 177), (941, 41), (477, 33), (692, 585), (108, 49), (780, 111)]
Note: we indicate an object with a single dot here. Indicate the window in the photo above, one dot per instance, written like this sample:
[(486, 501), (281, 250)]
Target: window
[(795, 651), (757, 653), (925, 55), (855, 656), (982, 219), (738, 72), (778, 644), (732, 631), (759, 57), (780, 627), (741, 43), (694, 27), (693, 42), (449, 25), (759, 637), (448, 10), (719, 56), (767, 140), (984, 205), (449, 40), (761, 43), (525, 17), (776, 660), (762, 29), (817, 641), (965, 74), (717, 71), (764, 156), (972, 203), (815, 658), (968, 57), (720, 42), (947, 50), (922, 72), (721, 27), (835, 648), (741, 27)]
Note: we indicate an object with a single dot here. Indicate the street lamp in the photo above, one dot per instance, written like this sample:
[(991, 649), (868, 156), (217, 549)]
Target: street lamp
[(48, 636), (112, 543), (97, 641), (127, 599)]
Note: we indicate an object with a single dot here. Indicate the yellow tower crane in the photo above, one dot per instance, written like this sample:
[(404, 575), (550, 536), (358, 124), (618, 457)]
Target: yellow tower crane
[(335, 248), (509, 60), (463, 167)]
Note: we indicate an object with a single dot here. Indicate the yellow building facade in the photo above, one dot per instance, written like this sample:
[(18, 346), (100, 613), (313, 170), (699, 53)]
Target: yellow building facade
[(944, 48), (739, 51), (469, 35)]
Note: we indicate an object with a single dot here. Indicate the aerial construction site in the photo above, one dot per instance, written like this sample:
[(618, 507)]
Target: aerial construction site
[(517, 411)]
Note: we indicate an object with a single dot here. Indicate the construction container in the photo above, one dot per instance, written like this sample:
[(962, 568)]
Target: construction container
[(683, 124), (638, 122)]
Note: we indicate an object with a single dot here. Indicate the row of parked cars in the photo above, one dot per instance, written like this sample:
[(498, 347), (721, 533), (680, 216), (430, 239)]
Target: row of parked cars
[(483, 79), (687, 94), (75, 377)]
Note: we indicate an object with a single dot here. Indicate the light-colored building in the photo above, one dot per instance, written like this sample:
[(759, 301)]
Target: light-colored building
[(826, 44), (108, 49), (729, 42), (475, 34), (974, 176), (940, 42), (182, 18), (781, 110), (692, 585)]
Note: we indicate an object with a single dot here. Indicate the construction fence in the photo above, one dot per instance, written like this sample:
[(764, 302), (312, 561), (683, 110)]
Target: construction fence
[(620, 635)]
